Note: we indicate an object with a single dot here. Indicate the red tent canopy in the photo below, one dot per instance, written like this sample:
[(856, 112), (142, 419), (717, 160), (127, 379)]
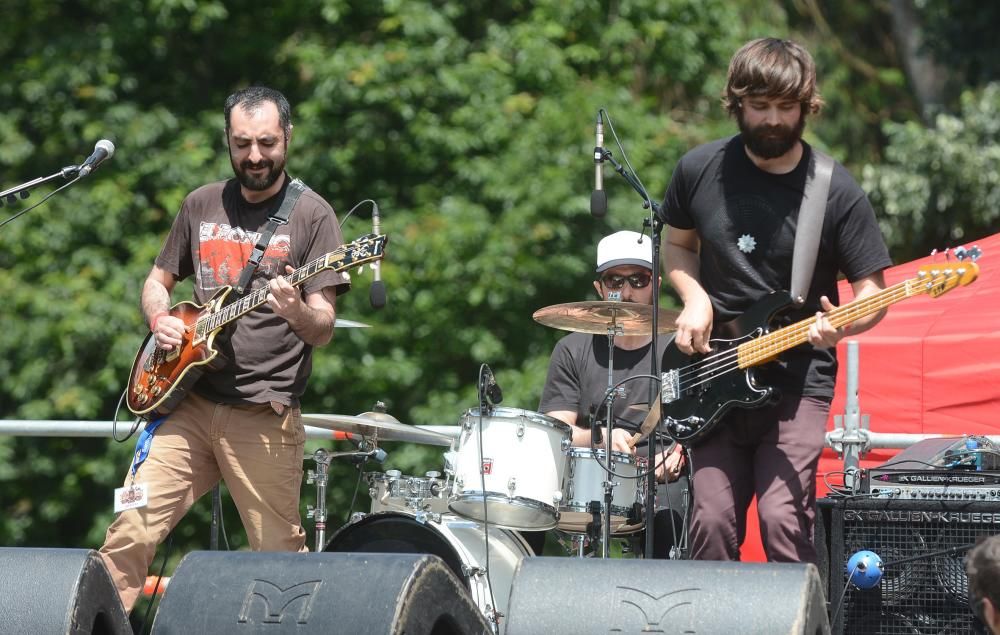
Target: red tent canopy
[(932, 365)]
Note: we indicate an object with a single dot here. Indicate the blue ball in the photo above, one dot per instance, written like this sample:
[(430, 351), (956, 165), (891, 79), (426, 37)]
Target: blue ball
[(865, 569)]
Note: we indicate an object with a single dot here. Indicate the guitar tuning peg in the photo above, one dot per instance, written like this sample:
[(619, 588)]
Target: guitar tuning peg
[(968, 254)]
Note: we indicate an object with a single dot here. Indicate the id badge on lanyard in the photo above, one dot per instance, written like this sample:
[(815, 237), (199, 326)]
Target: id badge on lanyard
[(136, 495)]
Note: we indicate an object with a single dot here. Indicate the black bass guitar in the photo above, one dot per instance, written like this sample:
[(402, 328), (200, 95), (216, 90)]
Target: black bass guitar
[(698, 390)]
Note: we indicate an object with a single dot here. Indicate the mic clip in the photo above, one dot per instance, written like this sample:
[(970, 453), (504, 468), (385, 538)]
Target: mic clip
[(489, 389)]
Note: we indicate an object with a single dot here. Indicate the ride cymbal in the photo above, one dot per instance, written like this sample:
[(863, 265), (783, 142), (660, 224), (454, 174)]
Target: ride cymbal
[(598, 316), (379, 425), (350, 324)]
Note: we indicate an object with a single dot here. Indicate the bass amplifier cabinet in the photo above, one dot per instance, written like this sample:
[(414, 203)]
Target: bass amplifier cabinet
[(922, 544)]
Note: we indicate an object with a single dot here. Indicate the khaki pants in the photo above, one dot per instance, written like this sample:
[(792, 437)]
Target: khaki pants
[(257, 452)]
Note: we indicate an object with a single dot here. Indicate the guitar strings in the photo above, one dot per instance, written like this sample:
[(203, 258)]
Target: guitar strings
[(766, 347)]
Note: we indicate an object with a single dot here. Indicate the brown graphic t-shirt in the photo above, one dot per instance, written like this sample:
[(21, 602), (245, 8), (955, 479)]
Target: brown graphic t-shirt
[(212, 238)]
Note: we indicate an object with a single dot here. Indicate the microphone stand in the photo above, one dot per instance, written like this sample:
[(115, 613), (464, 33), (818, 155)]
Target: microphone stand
[(656, 229), (22, 190)]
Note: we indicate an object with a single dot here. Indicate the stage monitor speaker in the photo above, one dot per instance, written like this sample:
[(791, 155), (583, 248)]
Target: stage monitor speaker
[(372, 593), (58, 591), (664, 596), (922, 544)]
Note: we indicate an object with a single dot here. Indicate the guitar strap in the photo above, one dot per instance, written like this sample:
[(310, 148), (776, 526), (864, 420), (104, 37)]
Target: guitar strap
[(292, 193), (810, 225)]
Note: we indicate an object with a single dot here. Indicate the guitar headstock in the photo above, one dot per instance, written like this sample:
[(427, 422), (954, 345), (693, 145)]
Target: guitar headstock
[(942, 277), (369, 248)]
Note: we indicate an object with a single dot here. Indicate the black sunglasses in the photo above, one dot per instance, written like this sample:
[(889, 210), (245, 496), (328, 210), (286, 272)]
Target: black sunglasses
[(635, 280)]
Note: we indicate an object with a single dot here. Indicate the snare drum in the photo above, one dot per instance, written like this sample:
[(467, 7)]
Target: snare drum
[(523, 461), (393, 491), (585, 478), (459, 542)]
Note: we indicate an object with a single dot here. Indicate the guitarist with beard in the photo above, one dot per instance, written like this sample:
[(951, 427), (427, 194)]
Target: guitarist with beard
[(242, 422), (731, 209)]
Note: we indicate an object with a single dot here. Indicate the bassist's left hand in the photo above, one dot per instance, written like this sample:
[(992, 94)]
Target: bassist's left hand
[(283, 298), (822, 333)]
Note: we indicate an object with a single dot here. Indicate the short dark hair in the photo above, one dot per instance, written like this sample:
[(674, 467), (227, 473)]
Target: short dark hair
[(982, 564), (769, 67), (250, 98)]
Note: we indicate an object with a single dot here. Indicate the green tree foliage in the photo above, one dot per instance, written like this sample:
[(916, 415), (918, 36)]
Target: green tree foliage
[(962, 35), (940, 187)]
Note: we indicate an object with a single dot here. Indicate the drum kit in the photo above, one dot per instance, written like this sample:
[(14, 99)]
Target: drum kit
[(506, 471)]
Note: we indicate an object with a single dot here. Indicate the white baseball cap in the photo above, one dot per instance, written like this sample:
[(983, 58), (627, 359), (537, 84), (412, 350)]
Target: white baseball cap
[(624, 248)]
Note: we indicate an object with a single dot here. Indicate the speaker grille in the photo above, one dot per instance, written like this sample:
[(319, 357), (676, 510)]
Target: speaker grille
[(923, 589)]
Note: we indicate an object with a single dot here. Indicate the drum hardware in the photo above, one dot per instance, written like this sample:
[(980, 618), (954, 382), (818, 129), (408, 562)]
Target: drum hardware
[(421, 496), (320, 477)]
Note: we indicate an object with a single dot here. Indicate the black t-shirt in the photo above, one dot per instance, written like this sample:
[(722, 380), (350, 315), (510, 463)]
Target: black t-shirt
[(746, 219), (577, 379), (212, 238)]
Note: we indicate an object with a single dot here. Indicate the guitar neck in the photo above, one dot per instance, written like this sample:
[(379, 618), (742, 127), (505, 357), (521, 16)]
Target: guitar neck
[(766, 347), (256, 298)]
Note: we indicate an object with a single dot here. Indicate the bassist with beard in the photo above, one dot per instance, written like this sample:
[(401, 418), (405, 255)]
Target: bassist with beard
[(731, 209)]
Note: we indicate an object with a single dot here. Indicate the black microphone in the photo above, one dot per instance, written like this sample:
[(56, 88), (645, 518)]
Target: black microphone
[(376, 295), (491, 390), (599, 198), (103, 151)]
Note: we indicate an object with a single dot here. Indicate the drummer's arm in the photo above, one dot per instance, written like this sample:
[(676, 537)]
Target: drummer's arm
[(581, 436)]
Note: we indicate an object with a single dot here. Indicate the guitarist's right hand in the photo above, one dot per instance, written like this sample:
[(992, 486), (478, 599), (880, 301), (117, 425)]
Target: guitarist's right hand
[(167, 331), (694, 326)]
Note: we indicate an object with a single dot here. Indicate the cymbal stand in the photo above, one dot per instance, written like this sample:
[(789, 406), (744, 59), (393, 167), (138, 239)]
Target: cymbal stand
[(320, 477), (613, 329)]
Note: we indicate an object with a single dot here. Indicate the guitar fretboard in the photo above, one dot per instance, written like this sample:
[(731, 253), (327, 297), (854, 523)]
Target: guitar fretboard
[(768, 346), (254, 299), (357, 253)]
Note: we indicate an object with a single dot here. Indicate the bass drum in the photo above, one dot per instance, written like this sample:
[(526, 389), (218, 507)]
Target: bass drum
[(459, 542)]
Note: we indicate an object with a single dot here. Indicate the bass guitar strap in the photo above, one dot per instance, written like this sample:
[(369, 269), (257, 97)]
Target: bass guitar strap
[(292, 193), (810, 225)]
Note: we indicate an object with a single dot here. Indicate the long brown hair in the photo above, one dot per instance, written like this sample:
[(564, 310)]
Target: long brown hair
[(769, 67)]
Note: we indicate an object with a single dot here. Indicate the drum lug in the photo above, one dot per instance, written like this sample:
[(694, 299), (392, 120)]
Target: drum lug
[(423, 517), (357, 517), (520, 430), (470, 571), (566, 444), (511, 486)]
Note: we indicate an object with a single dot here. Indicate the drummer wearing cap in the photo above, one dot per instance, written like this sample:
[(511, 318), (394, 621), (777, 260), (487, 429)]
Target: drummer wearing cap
[(577, 378)]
